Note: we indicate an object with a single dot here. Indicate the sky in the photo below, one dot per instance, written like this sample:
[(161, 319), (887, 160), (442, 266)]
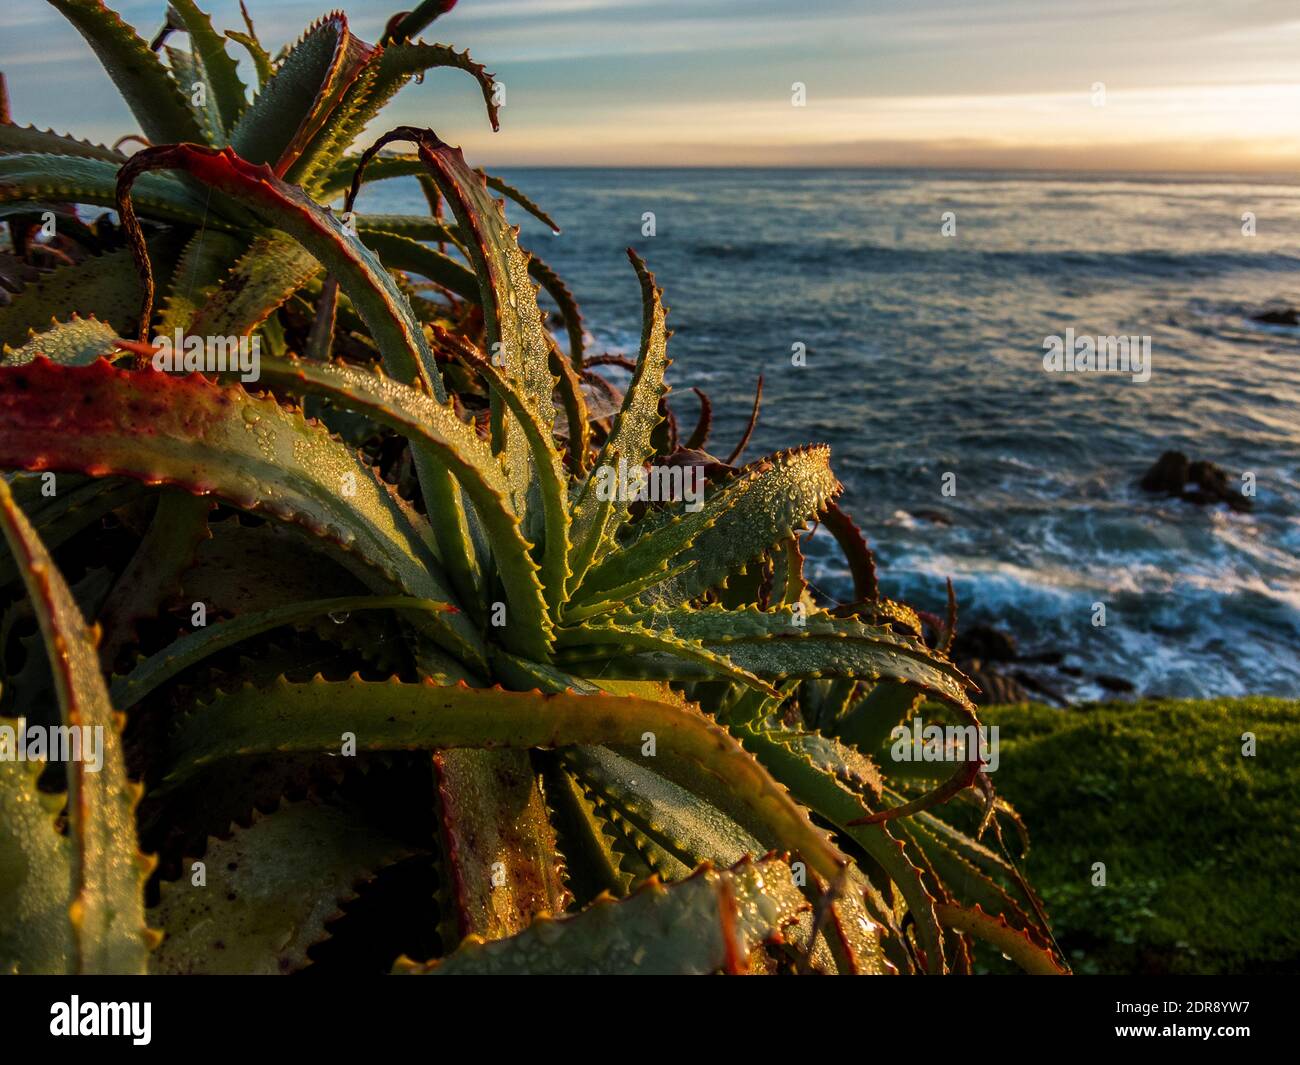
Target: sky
[(1129, 85)]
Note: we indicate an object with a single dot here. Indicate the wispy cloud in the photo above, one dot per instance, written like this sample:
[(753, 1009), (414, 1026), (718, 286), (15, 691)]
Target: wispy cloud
[(1197, 84)]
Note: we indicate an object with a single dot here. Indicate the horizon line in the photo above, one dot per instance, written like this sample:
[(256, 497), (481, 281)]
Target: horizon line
[(1293, 173)]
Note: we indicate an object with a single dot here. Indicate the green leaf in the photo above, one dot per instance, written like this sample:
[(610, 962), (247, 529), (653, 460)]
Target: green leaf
[(629, 438), (850, 767), (559, 292), (380, 168), (829, 656), (415, 227), (206, 259), (757, 508), (188, 72), (775, 496), (297, 101), (1012, 942), (402, 253), (106, 898), (249, 452), (106, 286), (28, 140), (154, 99), (267, 893), (722, 624), (260, 56), (219, 71), (266, 275), (178, 526), (195, 646), (35, 876), (84, 180), (392, 716), (576, 415), (390, 71), (550, 481), (78, 342), (961, 878), (78, 502), (869, 721), (457, 448), (589, 843), (511, 193), (841, 805), (372, 291), (620, 643), (810, 643), (494, 821), (688, 826), (515, 337), (712, 921)]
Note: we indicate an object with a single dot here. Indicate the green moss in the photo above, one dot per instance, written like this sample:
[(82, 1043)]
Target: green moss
[(1199, 841)]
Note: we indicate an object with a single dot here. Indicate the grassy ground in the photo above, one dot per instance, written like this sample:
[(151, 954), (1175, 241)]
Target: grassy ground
[(1201, 844)]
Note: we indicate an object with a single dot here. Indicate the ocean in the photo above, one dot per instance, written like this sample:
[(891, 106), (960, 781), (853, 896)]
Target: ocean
[(924, 357)]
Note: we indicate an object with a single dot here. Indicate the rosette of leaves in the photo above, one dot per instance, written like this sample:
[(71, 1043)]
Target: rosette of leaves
[(219, 268), (538, 727)]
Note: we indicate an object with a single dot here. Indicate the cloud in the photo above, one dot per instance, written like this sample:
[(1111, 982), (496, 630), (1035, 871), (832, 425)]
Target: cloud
[(1215, 128), (706, 82)]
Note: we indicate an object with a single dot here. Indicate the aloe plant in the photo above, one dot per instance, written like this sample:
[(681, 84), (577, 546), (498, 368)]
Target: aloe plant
[(400, 683)]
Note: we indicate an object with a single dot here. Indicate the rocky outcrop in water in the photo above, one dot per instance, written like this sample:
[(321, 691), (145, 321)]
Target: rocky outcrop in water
[(992, 659), (1287, 316), (1199, 481)]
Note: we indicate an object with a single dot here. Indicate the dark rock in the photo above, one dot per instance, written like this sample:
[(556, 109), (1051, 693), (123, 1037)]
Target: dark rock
[(1168, 475), (1113, 684), (994, 687), (1289, 316), (1201, 482), (1034, 684), (934, 517), (1212, 486), (1044, 658), (984, 642)]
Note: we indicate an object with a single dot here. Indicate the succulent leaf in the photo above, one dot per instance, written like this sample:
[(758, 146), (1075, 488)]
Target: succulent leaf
[(458, 449), (85, 180), (501, 853), (28, 140), (368, 285), (709, 922), (249, 452), (267, 892), (155, 99), (78, 342), (265, 276), (395, 716), (35, 935), (219, 71), (105, 893), (629, 438), (297, 100)]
